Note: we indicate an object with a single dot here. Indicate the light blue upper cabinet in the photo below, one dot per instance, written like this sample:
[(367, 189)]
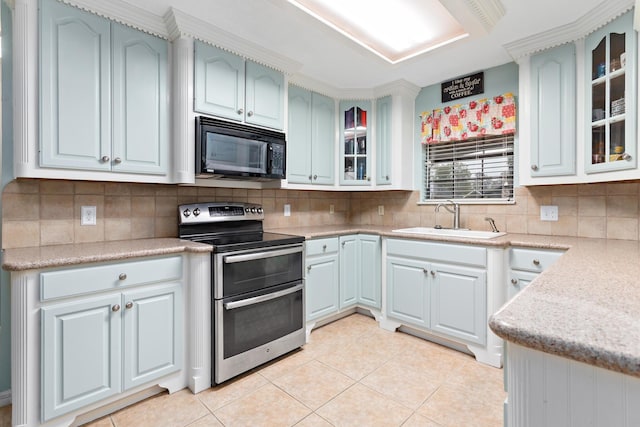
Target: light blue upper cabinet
[(75, 91), (611, 94), (553, 112), (225, 85), (310, 138), (383, 140), (355, 143), (89, 68), (140, 117)]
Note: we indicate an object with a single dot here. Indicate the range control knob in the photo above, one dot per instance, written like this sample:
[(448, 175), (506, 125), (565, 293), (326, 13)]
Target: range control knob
[(260, 210), (196, 211), (253, 210), (247, 210), (186, 213)]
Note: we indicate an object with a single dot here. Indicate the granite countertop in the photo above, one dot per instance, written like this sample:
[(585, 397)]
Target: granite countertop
[(81, 253)]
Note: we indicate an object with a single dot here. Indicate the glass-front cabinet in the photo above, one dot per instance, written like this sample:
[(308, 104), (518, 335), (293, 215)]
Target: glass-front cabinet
[(355, 159), (611, 97)]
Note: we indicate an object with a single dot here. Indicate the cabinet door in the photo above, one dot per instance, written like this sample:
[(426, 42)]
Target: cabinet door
[(355, 147), (80, 354), (370, 284), (264, 99), (140, 118), (611, 97), (153, 333), (383, 141), (323, 136), (299, 136), (321, 285), (75, 93), (459, 302), (408, 290), (218, 82), (518, 280), (553, 112), (349, 271)]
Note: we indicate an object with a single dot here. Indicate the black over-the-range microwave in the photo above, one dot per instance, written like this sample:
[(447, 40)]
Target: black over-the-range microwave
[(236, 150)]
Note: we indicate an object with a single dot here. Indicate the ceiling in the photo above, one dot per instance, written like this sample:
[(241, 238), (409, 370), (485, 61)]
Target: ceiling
[(332, 59)]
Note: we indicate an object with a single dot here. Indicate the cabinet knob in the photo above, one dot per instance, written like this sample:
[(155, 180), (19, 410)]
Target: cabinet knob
[(534, 167), (105, 159), (308, 268), (343, 243), (433, 273), (122, 276), (625, 156), (324, 248), (128, 305), (387, 177), (315, 177), (310, 177), (250, 113), (514, 281), (240, 111), (117, 160), (368, 178), (115, 308), (536, 262), (425, 271)]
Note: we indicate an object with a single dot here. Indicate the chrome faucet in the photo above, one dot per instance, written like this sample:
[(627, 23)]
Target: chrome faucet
[(455, 211), (493, 224)]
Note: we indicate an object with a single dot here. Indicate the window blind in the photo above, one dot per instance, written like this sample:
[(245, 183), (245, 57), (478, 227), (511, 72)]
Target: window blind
[(479, 168)]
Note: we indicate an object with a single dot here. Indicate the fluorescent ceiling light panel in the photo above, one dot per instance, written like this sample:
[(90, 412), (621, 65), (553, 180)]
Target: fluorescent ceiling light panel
[(394, 30)]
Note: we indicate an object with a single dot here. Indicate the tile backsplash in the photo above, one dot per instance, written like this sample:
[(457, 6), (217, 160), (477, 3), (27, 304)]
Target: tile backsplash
[(47, 212)]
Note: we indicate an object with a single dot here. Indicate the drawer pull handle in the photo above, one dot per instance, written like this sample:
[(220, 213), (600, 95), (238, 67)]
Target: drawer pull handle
[(324, 248), (115, 308), (122, 276), (308, 268), (514, 281), (536, 262), (128, 305)]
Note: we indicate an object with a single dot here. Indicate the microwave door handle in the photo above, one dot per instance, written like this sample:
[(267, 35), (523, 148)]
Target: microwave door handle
[(261, 255), (262, 298)]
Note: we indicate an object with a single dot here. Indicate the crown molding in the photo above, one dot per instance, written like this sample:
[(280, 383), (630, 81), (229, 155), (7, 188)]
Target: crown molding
[(124, 13), (182, 24), (594, 19), (398, 87), (489, 12)]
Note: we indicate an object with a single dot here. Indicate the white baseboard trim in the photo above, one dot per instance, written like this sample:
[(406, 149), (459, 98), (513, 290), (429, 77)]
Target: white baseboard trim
[(5, 398)]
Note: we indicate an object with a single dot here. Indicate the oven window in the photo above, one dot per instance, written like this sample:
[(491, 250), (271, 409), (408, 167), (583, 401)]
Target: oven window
[(251, 326), (228, 153), (259, 270)]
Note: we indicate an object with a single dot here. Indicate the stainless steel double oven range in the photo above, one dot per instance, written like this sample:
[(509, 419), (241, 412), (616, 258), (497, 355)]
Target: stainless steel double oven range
[(258, 286)]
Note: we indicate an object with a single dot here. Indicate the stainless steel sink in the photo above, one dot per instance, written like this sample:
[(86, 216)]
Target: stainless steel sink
[(461, 232)]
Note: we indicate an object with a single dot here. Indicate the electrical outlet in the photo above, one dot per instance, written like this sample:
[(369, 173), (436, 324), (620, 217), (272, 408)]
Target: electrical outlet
[(287, 210), (332, 209), (548, 213), (88, 215), (380, 210)]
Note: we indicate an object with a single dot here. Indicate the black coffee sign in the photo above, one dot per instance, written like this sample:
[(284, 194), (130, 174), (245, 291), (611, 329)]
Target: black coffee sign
[(463, 87)]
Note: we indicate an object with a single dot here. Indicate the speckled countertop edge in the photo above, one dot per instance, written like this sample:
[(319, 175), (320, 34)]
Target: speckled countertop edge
[(34, 258)]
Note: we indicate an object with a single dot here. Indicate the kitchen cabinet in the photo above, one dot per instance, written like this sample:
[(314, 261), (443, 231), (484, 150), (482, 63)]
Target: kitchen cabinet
[(226, 85), (383, 132), (553, 112), (349, 271), (611, 95), (310, 138), (360, 282), (322, 278), (526, 264), (103, 94), (93, 347), (355, 143), (441, 288)]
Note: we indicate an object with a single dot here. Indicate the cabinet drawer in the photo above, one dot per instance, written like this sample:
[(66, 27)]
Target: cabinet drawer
[(83, 280), (458, 254), (535, 260), (321, 246)]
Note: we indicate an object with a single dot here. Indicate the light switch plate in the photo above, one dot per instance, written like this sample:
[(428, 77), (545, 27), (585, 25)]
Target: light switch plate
[(548, 213), (380, 210), (287, 210), (88, 215)]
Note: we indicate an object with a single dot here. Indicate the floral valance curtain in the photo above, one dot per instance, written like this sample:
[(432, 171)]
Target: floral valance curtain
[(488, 116)]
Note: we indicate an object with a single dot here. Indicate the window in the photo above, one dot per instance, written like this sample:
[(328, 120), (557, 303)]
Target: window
[(471, 170)]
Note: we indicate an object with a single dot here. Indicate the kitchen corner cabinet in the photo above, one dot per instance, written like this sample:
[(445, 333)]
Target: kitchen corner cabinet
[(310, 138), (383, 131), (322, 277), (553, 112), (360, 281), (103, 94), (611, 96), (526, 264), (441, 288), (93, 347), (355, 143), (226, 85)]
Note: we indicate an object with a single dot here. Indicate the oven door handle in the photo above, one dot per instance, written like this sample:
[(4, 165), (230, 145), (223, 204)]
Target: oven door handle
[(261, 298), (261, 255)]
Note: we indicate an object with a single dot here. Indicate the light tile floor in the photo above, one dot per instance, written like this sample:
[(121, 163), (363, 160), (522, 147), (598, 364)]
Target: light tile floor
[(351, 373)]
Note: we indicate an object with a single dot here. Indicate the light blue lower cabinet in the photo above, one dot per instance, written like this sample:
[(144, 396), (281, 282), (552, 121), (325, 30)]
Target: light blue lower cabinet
[(322, 285), (369, 265), (349, 271), (408, 291)]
